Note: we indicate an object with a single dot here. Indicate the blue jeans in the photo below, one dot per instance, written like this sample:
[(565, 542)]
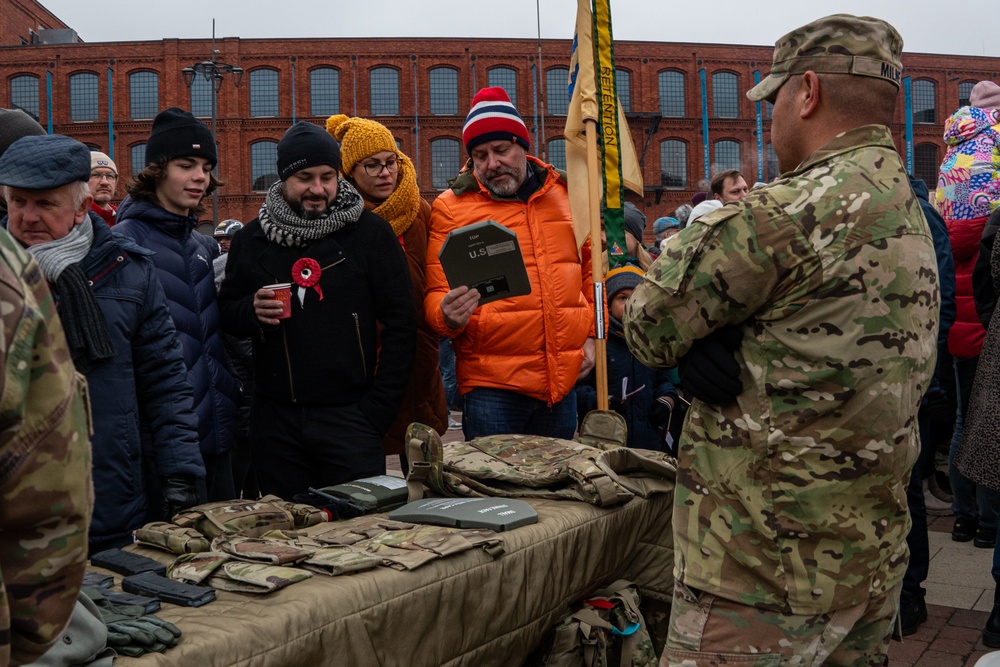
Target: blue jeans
[(446, 359), (489, 411)]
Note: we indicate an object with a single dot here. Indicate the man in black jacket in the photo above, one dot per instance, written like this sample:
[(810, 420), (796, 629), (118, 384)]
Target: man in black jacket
[(330, 376)]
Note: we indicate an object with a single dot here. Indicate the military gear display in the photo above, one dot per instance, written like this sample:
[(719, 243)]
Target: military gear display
[(131, 631), (335, 508), (175, 539), (250, 518), (125, 562), (149, 605), (375, 494), (166, 590), (490, 513), (98, 580), (605, 629), (533, 466)]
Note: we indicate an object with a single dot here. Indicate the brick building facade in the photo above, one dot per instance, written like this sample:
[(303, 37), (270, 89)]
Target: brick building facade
[(105, 94)]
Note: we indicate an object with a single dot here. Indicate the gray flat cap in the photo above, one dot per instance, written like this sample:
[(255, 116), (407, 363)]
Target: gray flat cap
[(44, 162)]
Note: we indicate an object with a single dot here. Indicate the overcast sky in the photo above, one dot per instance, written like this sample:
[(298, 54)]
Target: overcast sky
[(927, 26)]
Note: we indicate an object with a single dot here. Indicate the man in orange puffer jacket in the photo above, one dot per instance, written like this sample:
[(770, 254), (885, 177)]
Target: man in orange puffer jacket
[(517, 358)]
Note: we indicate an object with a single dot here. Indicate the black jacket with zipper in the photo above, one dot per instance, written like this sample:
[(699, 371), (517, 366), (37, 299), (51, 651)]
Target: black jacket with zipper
[(350, 338)]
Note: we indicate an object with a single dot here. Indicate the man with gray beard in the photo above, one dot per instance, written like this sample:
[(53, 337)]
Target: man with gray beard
[(518, 358)]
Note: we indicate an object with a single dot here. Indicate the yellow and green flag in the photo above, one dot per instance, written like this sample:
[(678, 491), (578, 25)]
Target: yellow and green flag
[(593, 97)]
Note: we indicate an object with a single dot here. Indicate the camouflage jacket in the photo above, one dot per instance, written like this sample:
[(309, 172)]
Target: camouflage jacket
[(45, 490), (794, 497)]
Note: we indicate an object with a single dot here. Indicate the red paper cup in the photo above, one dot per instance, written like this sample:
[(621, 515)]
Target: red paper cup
[(283, 293)]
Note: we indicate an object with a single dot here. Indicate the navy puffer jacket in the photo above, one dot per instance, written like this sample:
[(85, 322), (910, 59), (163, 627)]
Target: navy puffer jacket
[(183, 260)]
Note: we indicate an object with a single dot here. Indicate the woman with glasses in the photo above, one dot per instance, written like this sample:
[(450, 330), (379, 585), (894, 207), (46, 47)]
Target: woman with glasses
[(387, 181)]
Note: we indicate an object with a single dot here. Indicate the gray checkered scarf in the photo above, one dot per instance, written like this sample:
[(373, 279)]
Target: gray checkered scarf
[(285, 227)]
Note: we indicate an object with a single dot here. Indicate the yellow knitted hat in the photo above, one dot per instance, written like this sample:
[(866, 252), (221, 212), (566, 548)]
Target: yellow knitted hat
[(359, 138)]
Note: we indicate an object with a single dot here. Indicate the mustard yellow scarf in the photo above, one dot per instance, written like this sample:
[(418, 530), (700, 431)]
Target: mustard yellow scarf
[(402, 206)]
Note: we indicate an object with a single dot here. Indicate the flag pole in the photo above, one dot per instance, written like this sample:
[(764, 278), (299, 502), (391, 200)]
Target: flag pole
[(597, 265)]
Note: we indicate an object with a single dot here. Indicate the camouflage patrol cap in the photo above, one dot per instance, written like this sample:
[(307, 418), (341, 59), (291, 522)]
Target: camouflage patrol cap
[(837, 44)]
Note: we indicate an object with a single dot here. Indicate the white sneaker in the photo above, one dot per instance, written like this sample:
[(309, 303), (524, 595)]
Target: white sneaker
[(453, 425), (935, 506)]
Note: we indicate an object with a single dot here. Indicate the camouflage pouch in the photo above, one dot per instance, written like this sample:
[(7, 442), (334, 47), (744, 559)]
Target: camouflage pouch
[(344, 533), (250, 518), (195, 568), (303, 515), (333, 561), (255, 577), (606, 629), (173, 538), (409, 549), (257, 550), (604, 429)]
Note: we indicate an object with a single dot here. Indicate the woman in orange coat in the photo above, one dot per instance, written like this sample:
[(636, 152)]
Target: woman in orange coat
[(387, 181)]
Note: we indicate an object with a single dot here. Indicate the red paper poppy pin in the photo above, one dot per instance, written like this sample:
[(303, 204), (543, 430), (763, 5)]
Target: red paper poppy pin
[(306, 273)]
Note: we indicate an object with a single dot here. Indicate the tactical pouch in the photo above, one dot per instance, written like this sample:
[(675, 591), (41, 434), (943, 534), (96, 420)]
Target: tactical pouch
[(303, 515), (250, 518), (97, 580), (255, 578), (124, 562), (149, 605), (175, 592), (604, 429), (175, 539)]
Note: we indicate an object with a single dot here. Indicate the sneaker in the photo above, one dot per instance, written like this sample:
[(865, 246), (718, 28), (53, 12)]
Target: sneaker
[(453, 425), (985, 537), (964, 530), (940, 487), (912, 612), (935, 506)]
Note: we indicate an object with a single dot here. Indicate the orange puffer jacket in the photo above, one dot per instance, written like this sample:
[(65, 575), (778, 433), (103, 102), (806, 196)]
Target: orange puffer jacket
[(530, 344)]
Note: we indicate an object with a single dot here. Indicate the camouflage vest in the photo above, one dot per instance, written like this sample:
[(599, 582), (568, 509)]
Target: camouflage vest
[(533, 466)]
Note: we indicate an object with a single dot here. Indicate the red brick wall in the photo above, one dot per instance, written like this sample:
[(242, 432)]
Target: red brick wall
[(355, 57), (19, 17)]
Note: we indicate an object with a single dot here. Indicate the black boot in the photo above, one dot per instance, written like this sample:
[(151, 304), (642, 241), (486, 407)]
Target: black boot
[(991, 634)]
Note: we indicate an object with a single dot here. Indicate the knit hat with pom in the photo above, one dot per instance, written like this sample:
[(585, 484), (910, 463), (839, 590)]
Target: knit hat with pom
[(359, 138), (493, 118)]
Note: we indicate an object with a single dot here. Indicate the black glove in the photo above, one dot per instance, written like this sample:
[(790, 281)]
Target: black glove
[(709, 371), (659, 412), (179, 493)]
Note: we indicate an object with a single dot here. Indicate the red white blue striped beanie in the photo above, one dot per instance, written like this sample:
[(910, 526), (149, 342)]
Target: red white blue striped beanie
[(493, 118)]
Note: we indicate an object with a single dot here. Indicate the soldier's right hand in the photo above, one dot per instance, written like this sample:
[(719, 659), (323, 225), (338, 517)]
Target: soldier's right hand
[(458, 305), (266, 307)]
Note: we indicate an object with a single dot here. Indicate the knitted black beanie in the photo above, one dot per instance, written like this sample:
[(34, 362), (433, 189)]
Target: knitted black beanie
[(306, 145), (177, 133)]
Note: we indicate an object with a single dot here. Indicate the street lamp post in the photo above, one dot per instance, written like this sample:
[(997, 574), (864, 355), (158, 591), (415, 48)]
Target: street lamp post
[(214, 72)]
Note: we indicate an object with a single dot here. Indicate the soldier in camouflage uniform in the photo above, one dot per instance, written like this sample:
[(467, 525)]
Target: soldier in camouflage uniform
[(45, 490), (790, 516)]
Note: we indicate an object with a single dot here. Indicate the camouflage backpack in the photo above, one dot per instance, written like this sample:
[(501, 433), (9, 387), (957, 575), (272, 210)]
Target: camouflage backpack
[(605, 630), (536, 466)]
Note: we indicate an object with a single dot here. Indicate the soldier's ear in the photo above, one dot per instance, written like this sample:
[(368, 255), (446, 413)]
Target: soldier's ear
[(810, 94)]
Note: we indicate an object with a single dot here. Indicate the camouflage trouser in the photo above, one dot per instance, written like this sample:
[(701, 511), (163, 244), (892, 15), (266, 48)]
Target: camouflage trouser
[(706, 631)]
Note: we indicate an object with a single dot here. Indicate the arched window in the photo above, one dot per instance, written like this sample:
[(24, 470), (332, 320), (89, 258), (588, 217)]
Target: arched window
[(623, 85), (673, 163), (264, 93), (725, 95), (83, 103), (727, 155), (924, 102), (445, 161), (144, 94), (557, 153), (324, 91), (263, 165), (201, 96), (772, 171), (384, 85), (671, 94), (444, 91), (926, 163), (137, 158), (505, 78), (557, 91), (24, 94), (965, 92)]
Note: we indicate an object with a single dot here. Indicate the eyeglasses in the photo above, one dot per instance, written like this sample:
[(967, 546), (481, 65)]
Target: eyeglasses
[(375, 168), (100, 176)]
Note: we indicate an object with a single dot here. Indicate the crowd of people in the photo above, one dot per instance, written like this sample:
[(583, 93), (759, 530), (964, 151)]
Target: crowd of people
[(800, 346)]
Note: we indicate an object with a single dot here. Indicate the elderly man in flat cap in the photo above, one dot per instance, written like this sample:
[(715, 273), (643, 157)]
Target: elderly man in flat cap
[(120, 336), (820, 293)]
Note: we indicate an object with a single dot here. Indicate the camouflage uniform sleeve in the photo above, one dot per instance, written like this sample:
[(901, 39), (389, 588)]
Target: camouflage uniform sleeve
[(720, 271), (45, 489)]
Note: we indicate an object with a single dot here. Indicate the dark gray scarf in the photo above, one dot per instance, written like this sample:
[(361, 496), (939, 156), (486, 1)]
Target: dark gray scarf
[(82, 319), (285, 227)]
